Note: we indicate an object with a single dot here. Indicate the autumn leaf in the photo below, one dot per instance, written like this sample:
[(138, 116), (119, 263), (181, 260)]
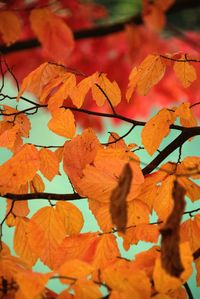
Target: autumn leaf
[(22, 245), (19, 169), (10, 27), (58, 39), (189, 232), (74, 268), (187, 118), (71, 216), (149, 73), (156, 129), (185, 72), (63, 123), (49, 165), (46, 232), (32, 284), (36, 80), (79, 152), (87, 289), (37, 184), (105, 90)]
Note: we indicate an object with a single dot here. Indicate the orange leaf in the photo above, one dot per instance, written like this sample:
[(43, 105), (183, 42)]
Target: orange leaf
[(185, 72), (104, 87), (53, 33), (36, 80), (21, 242), (80, 91), (63, 123), (150, 72), (190, 231), (8, 137), (187, 118), (156, 129), (32, 284), (75, 269), (163, 203), (101, 178), (46, 232), (71, 216), (87, 289), (49, 165), (9, 265), (192, 189), (154, 17), (19, 169), (141, 232), (63, 91), (79, 152), (122, 278), (192, 166), (10, 27), (37, 185), (165, 282), (132, 83)]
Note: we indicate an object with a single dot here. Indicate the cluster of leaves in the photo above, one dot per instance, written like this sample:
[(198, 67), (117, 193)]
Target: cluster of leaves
[(120, 194)]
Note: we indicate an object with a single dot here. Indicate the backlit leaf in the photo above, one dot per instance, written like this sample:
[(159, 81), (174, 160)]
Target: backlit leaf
[(79, 152), (76, 269), (185, 72), (105, 87), (21, 242), (37, 184), (71, 216), (187, 118), (150, 72), (10, 27), (58, 40), (63, 123), (19, 169), (46, 232), (156, 129), (32, 284), (49, 165), (87, 289)]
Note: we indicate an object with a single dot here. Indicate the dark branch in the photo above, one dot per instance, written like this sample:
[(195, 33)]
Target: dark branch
[(176, 143), (43, 195)]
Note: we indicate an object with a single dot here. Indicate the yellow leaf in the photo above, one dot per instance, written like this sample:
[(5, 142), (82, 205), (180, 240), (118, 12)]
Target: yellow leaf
[(156, 129), (32, 284), (10, 27), (37, 184), (75, 269), (58, 40), (185, 72), (108, 88), (71, 216), (63, 123), (79, 152), (165, 282), (19, 169), (49, 165), (21, 242), (46, 232), (150, 72)]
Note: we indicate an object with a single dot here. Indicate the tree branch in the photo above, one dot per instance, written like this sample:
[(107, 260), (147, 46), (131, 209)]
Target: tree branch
[(43, 195), (98, 31), (176, 143)]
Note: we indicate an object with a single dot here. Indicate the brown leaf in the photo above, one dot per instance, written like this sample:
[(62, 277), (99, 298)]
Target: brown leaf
[(118, 205), (170, 252)]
